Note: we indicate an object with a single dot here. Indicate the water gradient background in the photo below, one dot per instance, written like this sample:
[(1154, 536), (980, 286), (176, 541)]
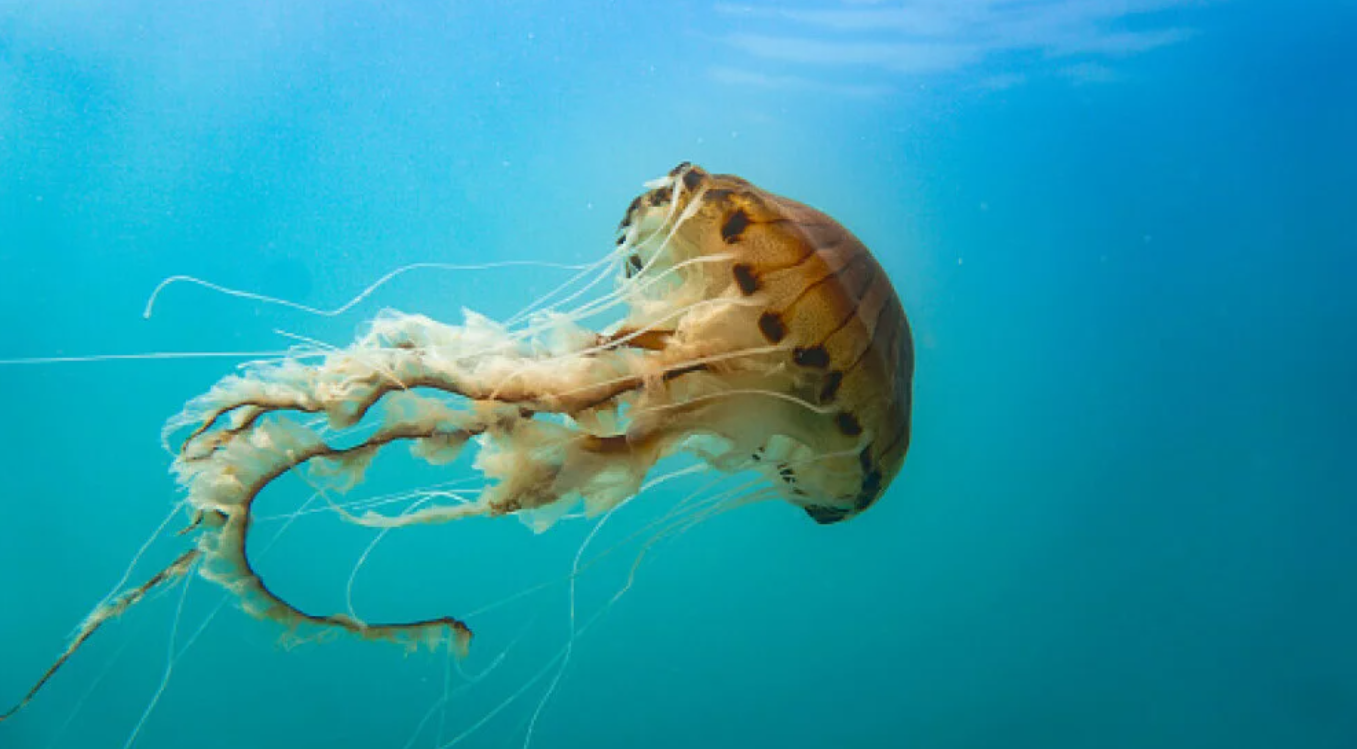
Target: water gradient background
[(1123, 233)]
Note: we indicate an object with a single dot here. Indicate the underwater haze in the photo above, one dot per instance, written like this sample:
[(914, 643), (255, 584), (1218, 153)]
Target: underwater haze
[(1123, 233)]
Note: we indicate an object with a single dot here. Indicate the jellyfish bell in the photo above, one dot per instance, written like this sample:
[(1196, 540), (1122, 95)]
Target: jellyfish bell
[(756, 334), (814, 359)]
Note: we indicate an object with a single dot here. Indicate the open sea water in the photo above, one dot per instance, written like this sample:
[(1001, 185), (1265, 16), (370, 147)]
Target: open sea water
[(1123, 233)]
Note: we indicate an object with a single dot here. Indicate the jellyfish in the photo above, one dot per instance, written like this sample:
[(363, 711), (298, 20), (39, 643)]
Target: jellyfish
[(756, 334)]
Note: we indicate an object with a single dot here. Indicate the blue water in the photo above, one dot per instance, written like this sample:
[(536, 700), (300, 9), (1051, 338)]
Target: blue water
[(1123, 233)]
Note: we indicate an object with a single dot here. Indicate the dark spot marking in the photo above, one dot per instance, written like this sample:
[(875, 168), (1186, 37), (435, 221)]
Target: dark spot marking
[(635, 205), (785, 471), (865, 459), (735, 226), (848, 424), (871, 487), (661, 196), (621, 239), (717, 195), (634, 265), (831, 386), (744, 277), (772, 326), (692, 179), (826, 515), (813, 356), (682, 165), (872, 484)]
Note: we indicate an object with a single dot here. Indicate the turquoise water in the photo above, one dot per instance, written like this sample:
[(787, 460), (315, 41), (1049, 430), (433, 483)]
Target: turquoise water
[(1122, 231)]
